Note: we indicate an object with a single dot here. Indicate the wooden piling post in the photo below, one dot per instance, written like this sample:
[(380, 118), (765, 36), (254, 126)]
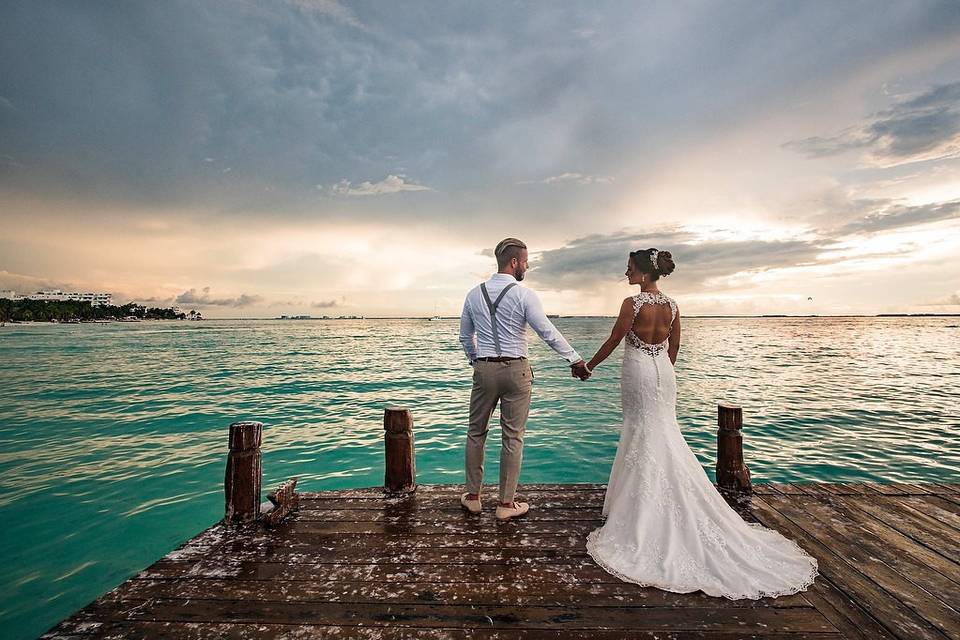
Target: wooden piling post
[(241, 484), (400, 474), (732, 473)]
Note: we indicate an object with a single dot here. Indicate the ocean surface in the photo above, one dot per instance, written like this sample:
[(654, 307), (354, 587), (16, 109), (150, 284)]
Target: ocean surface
[(113, 436)]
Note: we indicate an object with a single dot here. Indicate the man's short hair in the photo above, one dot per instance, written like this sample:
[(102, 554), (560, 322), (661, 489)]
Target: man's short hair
[(508, 249)]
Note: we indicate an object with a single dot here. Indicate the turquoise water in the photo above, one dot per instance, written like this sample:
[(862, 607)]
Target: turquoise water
[(113, 437)]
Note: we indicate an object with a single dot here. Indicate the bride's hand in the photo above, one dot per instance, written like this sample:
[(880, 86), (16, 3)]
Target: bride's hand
[(579, 370)]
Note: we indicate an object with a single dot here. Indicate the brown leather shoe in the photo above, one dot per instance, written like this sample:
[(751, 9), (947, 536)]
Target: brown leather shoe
[(518, 509), (473, 506)]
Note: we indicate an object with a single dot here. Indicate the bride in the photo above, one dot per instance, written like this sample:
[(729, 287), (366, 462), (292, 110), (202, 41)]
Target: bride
[(667, 526)]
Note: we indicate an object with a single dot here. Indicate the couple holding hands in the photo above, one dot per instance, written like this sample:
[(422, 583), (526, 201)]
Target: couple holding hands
[(666, 525)]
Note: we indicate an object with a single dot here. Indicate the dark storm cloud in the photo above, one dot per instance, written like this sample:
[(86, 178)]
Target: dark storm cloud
[(921, 128), (595, 259), (203, 298), (901, 216), (226, 100), (248, 106)]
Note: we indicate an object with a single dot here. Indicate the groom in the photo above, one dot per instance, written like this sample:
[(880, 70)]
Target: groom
[(493, 334)]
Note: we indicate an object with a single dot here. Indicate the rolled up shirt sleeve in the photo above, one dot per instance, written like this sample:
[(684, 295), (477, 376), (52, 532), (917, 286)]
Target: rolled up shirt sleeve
[(538, 320), (468, 334)]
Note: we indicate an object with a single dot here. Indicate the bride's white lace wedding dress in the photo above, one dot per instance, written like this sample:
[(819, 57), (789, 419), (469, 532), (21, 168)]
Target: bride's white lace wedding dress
[(667, 526)]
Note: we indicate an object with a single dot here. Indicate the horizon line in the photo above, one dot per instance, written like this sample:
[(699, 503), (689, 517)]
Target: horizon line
[(562, 317)]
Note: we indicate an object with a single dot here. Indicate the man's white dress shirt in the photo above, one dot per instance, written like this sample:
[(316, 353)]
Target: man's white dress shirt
[(520, 307)]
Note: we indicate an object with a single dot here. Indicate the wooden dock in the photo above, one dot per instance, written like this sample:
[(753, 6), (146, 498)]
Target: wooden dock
[(359, 564)]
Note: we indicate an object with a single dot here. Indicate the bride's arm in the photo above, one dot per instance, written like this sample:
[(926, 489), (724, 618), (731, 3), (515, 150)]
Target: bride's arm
[(673, 347), (620, 328)]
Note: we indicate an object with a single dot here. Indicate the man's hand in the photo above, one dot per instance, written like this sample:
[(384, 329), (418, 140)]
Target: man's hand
[(579, 370)]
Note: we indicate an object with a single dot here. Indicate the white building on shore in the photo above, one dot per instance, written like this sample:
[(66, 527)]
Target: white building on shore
[(56, 295)]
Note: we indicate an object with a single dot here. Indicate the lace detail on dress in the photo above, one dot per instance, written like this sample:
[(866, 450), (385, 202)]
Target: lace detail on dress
[(642, 298), (691, 570), (652, 350)]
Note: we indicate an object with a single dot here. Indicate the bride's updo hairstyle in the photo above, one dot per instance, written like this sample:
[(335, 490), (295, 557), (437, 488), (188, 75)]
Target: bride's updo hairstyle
[(652, 262)]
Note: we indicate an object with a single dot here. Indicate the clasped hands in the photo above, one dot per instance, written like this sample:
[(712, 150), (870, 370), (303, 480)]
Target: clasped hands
[(579, 370)]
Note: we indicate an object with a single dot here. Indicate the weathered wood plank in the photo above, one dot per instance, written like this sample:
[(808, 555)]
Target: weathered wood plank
[(536, 514), (574, 571), (830, 488), (746, 620), (447, 492), (395, 555), (147, 630), (543, 502), (891, 571), (851, 488), (375, 542), (508, 539), (894, 615), (763, 489), (789, 489), (843, 613), (868, 488), (900, 544), (912, 488), (944, 511), (898, 489), (283, 501), (923, 488), (946, 496), (842, 488), (502, 593), (934, 535), (476, 526)]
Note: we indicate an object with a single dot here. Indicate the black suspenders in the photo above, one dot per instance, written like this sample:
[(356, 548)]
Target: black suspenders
[(492, 306)]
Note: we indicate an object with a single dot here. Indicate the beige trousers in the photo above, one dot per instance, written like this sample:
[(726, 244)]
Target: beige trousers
[(508, 383)]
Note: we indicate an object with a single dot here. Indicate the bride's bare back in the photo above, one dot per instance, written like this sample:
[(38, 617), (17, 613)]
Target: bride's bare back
[(647, 320), (652, 324)]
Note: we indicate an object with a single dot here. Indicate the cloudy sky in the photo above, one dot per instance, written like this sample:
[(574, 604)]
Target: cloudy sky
[(251, 158)]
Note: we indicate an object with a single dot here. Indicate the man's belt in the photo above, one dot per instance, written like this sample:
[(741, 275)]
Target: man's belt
[(501, 359)]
